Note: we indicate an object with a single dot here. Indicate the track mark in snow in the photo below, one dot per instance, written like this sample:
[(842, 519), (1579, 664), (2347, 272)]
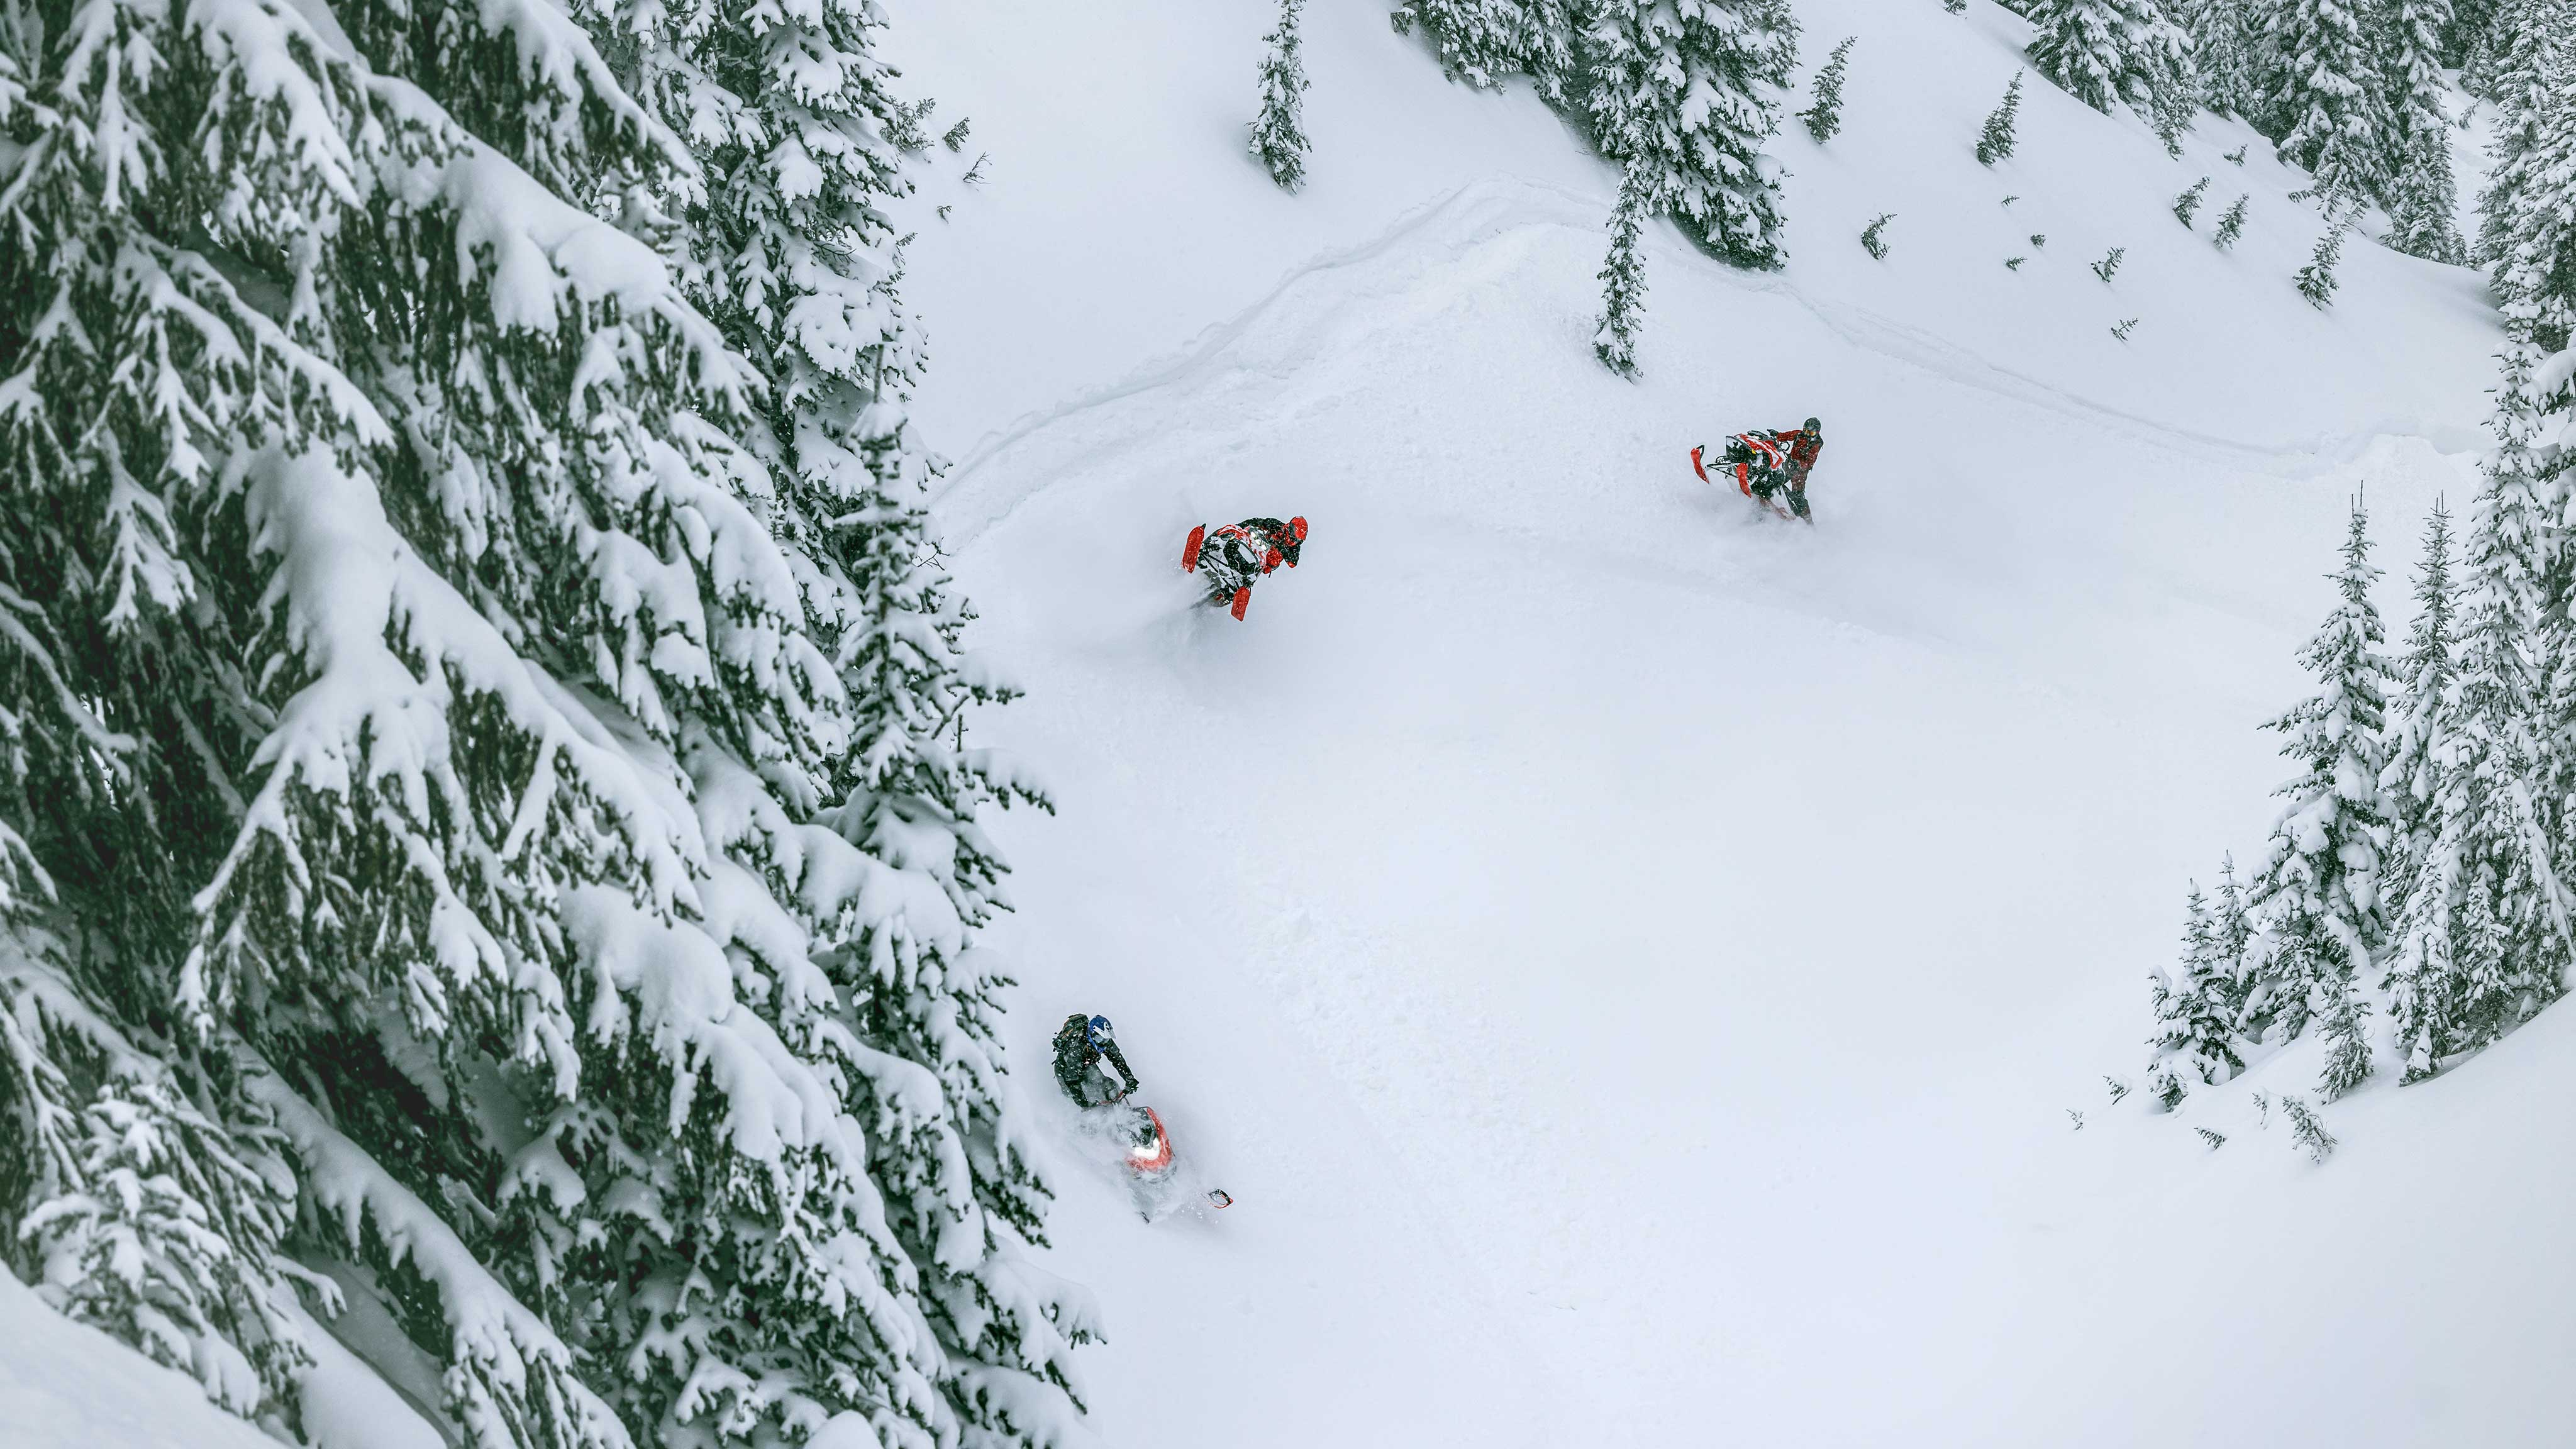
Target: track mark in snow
[(1483, 212)]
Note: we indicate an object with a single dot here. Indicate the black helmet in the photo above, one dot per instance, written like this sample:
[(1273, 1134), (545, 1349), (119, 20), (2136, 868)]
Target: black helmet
[(1815, 425)]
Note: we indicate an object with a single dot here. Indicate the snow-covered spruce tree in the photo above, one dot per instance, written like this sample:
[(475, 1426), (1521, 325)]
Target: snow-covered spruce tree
[(2468, 23), (2528, 231), (2223, 41), (2316, 898), (2482, 936), (2106, 52), (2196, 1012), (1278, 132), (474, 865), (1686, 93), (2187, 205), (2231, 223), (1623, 280), (2424, 201), (1482, 41), (1825, 117), (2316, 281), (2324, 103), (2410, 778), (1995, 141), (2421, 195), (788, 249)]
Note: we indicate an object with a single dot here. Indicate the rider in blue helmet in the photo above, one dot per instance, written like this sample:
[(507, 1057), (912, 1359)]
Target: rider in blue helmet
[(1079, 1045)]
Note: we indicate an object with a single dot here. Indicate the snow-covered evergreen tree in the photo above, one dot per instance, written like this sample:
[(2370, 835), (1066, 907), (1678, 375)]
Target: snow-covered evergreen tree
[(2528, 226), (2224, 39), (2187, 205), (1825, 117), (2316, 280), (2323, 99), (1482, 41), (1995, 141), (2411, 778), (2317, 895), (2231, 223), (503, 809), (1686, 93), (2106, 52), (2424, 201), (2422, 196), (2482, 935), (2196, 1012), (1278, 131), (789, 249), (1623, 281)]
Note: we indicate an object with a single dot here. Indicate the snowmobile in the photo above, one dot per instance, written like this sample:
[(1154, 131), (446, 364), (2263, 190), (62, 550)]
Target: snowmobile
[(1232, 557), (1139, 1132), (1760, 469)]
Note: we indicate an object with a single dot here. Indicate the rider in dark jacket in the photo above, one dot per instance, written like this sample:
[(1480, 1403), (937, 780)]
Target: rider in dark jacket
[(1079, 1045)]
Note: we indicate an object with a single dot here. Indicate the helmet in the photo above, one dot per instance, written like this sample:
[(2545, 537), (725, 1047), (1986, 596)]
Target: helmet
[(1297, 529), (1096, 1032), (1815, 425)]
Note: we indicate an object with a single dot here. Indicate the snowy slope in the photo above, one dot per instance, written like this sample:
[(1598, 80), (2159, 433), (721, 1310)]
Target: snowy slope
[(1632, 961)]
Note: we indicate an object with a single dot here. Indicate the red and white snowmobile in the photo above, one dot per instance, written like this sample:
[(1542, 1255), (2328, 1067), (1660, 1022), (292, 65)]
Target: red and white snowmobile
[(1762, 452), (1150, 1157), (1232, 557)]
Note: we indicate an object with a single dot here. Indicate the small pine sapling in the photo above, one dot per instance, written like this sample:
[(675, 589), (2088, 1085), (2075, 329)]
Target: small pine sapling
[(1825, 117), (944, 209), (975, 174), (2110, 263), (2170, 122), (2262, 1110), (2009, 200), (2307, 1129), (2013, 264), (1955, 7), (2039, 240), (908, 129), (2165, 1086), (2187, 205), (1623, 280), (1279, 132), (2231, 224), (1995, 142), (2076, 1117), (2116, 1086), (2125, 327), (1873, 237), (955, 137), (2237, 156), (2216, 1140), (2317, 279)]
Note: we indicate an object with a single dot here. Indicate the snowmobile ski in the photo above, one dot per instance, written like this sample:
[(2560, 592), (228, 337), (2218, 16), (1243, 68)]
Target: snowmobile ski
[(1190, 550)]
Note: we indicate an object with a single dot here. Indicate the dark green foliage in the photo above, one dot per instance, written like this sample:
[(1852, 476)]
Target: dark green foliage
[(1825, 117), (1873, 238), (1995, 142), (2187, 205)]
